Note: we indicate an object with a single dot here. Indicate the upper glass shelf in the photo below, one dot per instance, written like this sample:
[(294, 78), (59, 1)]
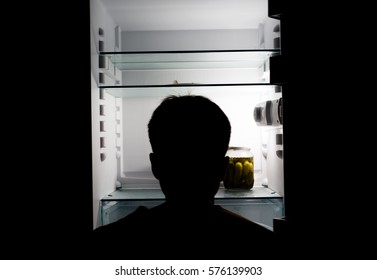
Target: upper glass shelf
[(190, 59), (208, 90), (185, 68)]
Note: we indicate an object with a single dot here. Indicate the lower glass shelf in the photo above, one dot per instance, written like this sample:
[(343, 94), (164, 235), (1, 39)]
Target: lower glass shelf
[(260, 204)]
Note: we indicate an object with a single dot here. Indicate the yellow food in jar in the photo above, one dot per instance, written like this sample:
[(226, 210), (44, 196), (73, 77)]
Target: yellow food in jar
[(239, 173)]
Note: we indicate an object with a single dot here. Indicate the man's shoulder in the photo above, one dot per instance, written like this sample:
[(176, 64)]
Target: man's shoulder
[(125, 224)]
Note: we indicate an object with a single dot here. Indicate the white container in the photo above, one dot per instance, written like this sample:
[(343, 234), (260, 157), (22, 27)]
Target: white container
[(275, 172)]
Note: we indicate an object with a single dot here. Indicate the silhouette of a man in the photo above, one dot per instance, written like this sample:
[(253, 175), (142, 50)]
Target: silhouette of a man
[(189, 136)]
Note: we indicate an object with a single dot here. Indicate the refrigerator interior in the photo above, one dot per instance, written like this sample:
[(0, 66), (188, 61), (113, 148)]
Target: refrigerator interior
[(135, 107), (138, 68)]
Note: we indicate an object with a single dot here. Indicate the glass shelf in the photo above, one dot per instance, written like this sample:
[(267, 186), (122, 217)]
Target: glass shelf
[(257, 192), (185, 68), (190, 59), (165, 90)]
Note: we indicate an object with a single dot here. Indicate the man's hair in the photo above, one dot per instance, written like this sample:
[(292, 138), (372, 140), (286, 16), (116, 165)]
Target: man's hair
[(191, 124)]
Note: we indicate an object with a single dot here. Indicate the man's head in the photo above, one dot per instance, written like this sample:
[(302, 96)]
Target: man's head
[(189, 136)]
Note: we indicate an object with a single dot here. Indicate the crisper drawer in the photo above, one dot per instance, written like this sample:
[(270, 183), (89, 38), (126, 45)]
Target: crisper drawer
[(112, 211), (261, 211)]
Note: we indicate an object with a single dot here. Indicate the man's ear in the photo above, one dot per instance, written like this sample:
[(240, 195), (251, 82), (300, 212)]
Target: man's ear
[(155, 165)]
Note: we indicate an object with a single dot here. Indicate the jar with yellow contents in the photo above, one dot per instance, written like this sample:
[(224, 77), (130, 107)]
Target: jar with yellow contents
[(240, 170)]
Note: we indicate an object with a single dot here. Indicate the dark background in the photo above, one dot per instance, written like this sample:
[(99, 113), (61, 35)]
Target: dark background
[(46, 140)]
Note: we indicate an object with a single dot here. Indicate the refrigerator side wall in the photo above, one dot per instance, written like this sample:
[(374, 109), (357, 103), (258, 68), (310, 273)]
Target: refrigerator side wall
[(103, 113)]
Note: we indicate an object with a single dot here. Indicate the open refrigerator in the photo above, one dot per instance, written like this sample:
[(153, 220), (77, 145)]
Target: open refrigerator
[(134, 68)]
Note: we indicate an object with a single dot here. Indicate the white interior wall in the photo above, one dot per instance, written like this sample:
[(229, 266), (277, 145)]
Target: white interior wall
[(268, 32), (200, 76), (104, 172), (179, 40), (100, 18), (239, 109), (135, 139), (136, 114)]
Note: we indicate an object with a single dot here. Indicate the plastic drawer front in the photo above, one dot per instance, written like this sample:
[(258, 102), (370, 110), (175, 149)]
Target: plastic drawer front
[(261, 211), (112, 211)]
